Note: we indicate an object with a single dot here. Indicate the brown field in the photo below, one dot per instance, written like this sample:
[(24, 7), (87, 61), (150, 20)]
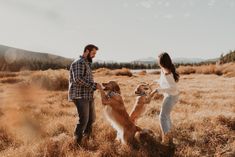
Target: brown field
[(37, 120)]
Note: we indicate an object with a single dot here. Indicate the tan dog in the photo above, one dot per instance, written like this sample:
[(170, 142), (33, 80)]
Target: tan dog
[(145, 94), (116, 113)]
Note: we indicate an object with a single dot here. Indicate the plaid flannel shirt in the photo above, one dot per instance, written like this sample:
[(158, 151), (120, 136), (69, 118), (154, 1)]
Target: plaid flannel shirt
[(81, 83)]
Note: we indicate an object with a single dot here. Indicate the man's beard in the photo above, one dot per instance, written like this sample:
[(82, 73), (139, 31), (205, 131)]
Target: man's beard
[(89, 59)]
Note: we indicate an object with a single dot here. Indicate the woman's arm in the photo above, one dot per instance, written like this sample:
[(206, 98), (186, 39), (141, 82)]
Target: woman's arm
[(165, 90)]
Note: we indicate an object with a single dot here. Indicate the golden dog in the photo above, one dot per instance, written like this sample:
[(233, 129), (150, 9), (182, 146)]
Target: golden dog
[(116, 113), (145, 94)]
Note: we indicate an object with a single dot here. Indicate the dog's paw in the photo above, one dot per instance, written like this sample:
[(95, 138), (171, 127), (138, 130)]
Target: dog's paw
[(137, 136)]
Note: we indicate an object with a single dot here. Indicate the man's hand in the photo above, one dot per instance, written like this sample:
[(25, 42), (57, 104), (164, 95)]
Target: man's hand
[(98, 86)]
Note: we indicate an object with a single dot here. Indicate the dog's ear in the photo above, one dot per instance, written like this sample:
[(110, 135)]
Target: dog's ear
[(116, 88), (104, 84), (137, 90)]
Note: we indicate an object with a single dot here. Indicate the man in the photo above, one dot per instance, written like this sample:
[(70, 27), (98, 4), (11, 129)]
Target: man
[(81, 91)]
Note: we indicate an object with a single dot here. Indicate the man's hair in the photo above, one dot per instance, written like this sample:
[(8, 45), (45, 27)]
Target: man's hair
[(90, 47)]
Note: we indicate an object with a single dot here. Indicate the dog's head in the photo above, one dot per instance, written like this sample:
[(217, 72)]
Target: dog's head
[(112, 86), (143, 89)]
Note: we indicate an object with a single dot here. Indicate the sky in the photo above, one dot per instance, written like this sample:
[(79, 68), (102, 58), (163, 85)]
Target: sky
[(124, 30)]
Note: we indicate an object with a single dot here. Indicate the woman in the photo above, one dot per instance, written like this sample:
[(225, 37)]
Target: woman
[(168, 79)]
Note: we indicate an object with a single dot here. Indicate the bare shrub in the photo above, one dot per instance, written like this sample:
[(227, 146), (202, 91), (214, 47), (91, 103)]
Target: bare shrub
[(186, 70), (143, 72), (103, 71), (11, 80), (51, 79), (123, 72), (7, 74), (117, 72)]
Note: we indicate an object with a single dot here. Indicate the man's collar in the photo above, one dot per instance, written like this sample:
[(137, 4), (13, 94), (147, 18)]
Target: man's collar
[(82, 57), (85, 59)]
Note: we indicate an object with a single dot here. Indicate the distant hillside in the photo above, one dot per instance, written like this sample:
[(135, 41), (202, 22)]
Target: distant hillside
[(151, 60), (229, 57), (187, 60), (13, 59)]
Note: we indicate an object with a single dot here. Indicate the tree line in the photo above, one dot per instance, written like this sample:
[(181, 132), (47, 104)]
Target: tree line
[(115, 65), (230, 57), (48, 64)]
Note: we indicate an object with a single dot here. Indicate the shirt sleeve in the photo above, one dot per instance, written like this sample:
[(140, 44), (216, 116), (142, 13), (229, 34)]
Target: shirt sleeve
[(78, 75)]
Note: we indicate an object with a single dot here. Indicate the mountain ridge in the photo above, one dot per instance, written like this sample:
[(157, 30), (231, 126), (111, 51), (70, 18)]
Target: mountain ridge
[(15, 59)]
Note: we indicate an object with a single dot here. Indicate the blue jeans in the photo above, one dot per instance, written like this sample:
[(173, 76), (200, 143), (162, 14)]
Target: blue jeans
[(86, 113), (168, 102)]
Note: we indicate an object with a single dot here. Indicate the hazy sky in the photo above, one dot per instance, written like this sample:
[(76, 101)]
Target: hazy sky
[(124, 30)]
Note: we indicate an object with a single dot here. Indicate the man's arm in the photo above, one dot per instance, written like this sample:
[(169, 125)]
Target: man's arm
[(78, 71)]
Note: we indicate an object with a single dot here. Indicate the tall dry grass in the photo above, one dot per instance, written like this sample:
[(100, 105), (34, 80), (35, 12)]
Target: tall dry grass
[(51, 79), (227, 70), (37, 120), (7, 139)]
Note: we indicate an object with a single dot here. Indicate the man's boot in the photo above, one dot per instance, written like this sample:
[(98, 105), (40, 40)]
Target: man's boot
[(88, 131), (167, 138), (78, 135)]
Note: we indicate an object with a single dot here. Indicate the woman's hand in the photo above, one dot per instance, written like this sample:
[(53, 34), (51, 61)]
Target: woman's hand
[(153, 92)]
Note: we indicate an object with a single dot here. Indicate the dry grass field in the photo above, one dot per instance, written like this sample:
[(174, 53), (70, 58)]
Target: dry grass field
[(37, 120)]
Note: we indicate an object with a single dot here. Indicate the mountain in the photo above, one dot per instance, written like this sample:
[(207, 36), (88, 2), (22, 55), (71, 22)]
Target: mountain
[(151, 60), (187, 60), (14, 59), (104, 61)]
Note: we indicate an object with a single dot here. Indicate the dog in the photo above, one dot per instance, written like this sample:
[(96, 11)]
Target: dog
[(116, 114), (144, 94)]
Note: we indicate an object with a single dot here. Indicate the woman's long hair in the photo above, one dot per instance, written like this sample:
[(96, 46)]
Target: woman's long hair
[(165, 62)]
